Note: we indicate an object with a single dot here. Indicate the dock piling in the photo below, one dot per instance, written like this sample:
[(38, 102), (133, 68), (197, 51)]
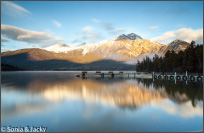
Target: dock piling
[(186, 74), (153, 75)]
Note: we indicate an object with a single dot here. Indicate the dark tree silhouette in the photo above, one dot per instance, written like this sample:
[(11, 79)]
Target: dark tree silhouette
[(190, 60)]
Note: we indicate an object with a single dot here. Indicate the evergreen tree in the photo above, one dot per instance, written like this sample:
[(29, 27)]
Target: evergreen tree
[(190, 60)]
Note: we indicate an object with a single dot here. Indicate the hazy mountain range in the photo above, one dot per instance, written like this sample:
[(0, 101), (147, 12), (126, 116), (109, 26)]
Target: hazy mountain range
[(115, 54)]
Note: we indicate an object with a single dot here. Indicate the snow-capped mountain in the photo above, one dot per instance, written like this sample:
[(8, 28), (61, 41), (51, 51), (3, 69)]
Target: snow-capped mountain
[(88, 47), (131, 36), (123, 49), (60, 47), (128, 47)]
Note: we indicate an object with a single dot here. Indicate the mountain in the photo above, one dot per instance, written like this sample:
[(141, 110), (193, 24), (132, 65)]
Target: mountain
[(176, 45), (39, 59), (130, 36), (117, 53), (128, 47), (60, 47)]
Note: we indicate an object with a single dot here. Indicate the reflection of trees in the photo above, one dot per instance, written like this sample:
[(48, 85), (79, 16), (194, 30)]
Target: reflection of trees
[(123, 93), (193, 90), (56, 88)]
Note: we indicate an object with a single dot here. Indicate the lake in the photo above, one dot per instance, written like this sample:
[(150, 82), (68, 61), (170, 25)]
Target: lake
[(64, 103)]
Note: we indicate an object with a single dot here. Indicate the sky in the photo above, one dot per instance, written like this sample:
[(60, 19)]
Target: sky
[(39, 24)]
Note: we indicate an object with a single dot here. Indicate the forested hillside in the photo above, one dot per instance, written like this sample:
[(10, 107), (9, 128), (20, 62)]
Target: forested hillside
[(191, 60)]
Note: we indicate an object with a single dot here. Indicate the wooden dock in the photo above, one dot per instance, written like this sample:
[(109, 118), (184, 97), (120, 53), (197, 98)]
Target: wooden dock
[(98, 75)]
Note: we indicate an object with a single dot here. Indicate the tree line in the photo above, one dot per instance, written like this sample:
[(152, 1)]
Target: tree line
[(191, 60), (7, 67)]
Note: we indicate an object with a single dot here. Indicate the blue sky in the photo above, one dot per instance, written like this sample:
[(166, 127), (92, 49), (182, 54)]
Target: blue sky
[(44, 23)]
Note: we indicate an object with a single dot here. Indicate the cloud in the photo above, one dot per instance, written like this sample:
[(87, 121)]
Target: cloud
[(13, 9), (108, 26), (186, 34), (91, 36), (120, 30), (19, 34), (95, 20), (88, 38), (76, 41), (111, 29), (153, 27), (6, 49), (117, 31), (56, 23), (4, 40), (87, 28)]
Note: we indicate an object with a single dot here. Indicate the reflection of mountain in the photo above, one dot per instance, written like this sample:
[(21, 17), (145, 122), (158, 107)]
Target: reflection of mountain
[(112, 54), (123, 94), (126, 93), (49, 88)]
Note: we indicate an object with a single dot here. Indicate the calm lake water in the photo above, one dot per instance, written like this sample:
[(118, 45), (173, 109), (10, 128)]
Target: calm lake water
[(61, 102)]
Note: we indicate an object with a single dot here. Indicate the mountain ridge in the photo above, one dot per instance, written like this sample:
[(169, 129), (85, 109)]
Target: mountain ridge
[(126, 51)]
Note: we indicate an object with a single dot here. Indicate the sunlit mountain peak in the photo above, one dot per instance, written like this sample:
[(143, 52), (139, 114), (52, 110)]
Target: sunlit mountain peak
[(131, 36)]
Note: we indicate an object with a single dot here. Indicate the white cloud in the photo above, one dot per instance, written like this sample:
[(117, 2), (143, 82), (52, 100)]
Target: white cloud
[(13, 9), (95, 20), (117, 31), (91, 36), (87, 28), (56, 23), (109, 27), (153, 27), (19, 34), (186, 34), (120, 30), (4, 40), (6, 49)]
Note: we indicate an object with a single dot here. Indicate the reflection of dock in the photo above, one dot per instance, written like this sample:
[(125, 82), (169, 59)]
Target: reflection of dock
[(112, 75), (179, 77), (122, 75)]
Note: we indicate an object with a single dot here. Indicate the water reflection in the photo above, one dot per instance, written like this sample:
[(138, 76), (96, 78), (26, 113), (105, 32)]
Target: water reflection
[(31, 92), (193, 91)]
